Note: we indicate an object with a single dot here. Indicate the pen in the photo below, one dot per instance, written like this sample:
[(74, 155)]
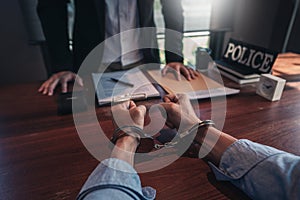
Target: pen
[(123, 82)]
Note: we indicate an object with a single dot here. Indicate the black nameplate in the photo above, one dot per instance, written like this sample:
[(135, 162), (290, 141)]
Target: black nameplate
[(257, 59)]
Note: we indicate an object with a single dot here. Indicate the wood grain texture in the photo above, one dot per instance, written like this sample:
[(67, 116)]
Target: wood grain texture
[(42, 156)]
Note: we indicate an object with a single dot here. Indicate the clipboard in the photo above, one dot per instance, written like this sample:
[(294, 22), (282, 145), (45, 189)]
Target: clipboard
[(108, 90)]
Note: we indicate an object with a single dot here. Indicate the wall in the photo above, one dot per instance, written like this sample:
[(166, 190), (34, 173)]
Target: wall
[(294, 43), (254, 21), (19, 61), (262, 22)]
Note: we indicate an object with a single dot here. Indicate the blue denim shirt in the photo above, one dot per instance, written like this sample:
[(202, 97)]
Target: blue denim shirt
[(115, 179), (260, 171)]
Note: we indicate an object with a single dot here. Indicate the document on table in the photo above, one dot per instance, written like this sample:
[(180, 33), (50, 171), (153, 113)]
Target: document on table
[(199, 88), (123, 85)]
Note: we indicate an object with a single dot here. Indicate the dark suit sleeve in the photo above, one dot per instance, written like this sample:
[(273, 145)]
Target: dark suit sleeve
[(53, 17), (174, 23)]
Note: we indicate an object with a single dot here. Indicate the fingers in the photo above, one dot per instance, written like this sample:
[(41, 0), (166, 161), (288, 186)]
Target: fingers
[(65, 79), (128, 114), (126, 105), (172, 68), (138, 116), (170, 98), (193, 73), (48, 87), (168, 111), (184, 100), (189, 73), (179, 69), (42, 88), (164, 70), (185, 72), (64, 86), (79, 80), (132, 105), (185, 103), (52, 86), (167, 99), (178, 74), (163, 108), (142, 109), (181, 99)]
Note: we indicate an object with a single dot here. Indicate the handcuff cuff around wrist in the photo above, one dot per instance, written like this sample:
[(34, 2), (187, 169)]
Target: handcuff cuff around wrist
[(147, 143)]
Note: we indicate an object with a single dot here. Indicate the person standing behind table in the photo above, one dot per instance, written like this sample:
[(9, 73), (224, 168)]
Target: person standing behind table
[(96, 20)]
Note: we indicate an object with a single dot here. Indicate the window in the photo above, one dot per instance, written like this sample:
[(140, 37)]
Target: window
[(197, 15)]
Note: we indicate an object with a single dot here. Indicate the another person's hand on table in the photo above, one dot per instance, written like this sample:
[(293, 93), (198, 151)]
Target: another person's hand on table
[(179, 68), (63, 77)]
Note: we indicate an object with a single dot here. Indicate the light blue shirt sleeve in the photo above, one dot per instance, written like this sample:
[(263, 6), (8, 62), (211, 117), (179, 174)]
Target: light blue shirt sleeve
[(115, 179), (262, 172)]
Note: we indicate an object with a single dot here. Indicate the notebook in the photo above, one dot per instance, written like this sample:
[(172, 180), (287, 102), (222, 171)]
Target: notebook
[(238, 79)]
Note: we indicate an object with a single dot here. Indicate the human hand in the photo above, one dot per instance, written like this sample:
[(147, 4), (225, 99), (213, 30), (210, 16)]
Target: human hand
[(128, 114), (179, 68), (180, 113), (63, 78)]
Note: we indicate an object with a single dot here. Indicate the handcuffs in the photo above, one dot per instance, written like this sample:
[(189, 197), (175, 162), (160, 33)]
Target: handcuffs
[(148, 143)]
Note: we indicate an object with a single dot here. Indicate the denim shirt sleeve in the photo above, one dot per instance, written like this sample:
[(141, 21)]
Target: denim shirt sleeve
[(262, 172), (115, 179)]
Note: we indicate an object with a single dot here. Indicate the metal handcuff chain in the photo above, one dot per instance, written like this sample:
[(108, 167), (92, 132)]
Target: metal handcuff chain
[(138, 132), (184, 134)]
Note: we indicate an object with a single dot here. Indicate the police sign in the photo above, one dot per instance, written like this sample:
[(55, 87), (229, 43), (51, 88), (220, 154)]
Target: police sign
[(258, 59)]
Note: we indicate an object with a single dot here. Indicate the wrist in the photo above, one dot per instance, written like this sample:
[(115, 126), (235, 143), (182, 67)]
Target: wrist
[(123, 131), (188, 126), (127, 143), (201, 129)]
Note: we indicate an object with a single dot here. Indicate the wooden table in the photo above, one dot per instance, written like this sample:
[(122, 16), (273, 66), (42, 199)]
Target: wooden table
[(42, 157)]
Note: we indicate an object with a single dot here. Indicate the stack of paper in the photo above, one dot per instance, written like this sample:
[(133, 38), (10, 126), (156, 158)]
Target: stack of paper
[(199, 88)]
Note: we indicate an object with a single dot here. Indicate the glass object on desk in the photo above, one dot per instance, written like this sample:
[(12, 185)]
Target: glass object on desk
[(203, 59)]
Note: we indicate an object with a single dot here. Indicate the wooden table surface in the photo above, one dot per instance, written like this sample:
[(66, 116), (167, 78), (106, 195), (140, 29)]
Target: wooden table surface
[(42, 156)]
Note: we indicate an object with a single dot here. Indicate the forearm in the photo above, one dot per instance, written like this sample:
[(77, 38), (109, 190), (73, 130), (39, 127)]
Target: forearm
[(260, 171), (54, 20), (174, 30), (113, 179), (213, 144), (124, 149), (116, 176)]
